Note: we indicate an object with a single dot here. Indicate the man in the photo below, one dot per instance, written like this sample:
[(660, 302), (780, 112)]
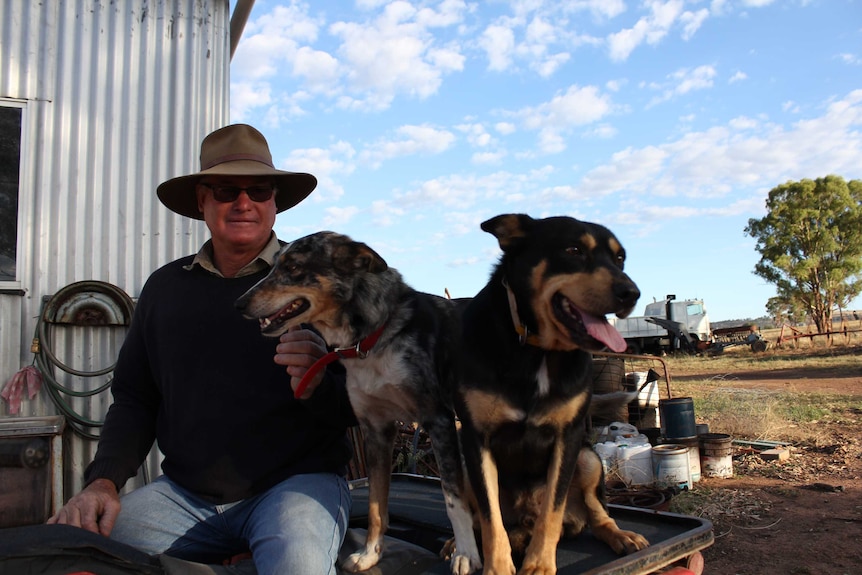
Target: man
[(246, 465)]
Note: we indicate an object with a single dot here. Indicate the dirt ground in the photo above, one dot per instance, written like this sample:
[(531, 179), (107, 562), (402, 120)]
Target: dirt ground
[(798, 517)]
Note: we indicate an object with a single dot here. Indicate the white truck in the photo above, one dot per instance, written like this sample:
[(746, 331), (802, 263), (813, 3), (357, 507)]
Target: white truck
[(666, 326)]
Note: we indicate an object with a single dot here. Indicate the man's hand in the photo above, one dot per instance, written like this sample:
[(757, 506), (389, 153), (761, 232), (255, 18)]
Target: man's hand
[(95, 508), (297, 350)]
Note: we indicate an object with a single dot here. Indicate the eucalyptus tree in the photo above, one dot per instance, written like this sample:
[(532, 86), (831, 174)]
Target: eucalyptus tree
[(810, 244)]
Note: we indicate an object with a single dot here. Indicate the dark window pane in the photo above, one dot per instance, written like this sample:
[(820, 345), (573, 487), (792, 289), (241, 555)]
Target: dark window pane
[(10, 160)]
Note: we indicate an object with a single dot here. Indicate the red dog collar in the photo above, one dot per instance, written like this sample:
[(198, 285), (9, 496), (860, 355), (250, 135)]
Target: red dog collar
[(359, 350)]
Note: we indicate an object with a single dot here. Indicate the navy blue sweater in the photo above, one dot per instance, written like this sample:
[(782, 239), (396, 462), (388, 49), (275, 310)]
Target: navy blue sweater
[(199, 378)]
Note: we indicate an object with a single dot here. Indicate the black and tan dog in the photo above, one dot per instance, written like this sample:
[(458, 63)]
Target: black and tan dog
[(348, 293), (527, 388)]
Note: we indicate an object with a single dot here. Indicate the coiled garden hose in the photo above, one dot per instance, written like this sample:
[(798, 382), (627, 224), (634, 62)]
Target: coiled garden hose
[(64, 307)]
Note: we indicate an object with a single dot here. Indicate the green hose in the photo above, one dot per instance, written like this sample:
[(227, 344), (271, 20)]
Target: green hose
[(46, 361)]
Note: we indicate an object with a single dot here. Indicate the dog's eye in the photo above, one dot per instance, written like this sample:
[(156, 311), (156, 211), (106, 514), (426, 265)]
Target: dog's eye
[(574, 251), (621, 258), (291, 268)]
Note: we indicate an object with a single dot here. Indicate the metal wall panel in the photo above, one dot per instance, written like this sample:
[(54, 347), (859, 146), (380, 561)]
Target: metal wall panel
[(117, 97)]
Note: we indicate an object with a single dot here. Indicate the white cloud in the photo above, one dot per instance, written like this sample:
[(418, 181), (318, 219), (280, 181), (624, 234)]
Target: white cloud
[(615, 85), (338, 216), (541, 36), (395, 54), (505, 128), (684, 81), (602, 131), (575, 107), (476, 134), (691, 22), (318, 69), (328, 165), (627, 170), (462, 191), (790, 106), (698, 79), (653, 27), (499, 43), (737, 77), (384, 213), (245, 96), (424, 139), (621, 44), (743, 155), (742, 123), (605, 8), (273, 46), (490, 158), (272, 38), (463, 262), (546, 67)]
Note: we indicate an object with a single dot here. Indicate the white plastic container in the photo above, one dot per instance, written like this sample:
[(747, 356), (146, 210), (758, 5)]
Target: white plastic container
[(639, 439), (671, 465), (621, 429), (693, 457), (607, 452), (635, 464)]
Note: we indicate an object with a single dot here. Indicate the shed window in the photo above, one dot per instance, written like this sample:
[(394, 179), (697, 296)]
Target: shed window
[(10, 162)]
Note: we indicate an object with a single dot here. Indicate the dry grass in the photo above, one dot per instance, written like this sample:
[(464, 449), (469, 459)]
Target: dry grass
[(785, 415), (769, 415)]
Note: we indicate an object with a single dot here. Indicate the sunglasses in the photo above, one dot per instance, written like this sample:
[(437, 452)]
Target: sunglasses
[(227, 193)]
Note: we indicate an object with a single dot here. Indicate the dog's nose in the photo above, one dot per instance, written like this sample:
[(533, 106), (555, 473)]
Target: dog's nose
[(627, 293)]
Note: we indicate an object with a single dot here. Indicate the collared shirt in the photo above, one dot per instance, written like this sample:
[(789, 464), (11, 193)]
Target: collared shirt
[(263, 261)]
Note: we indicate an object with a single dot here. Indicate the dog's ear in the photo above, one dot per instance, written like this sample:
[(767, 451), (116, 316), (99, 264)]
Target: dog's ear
[(356, 256), (509, 229)]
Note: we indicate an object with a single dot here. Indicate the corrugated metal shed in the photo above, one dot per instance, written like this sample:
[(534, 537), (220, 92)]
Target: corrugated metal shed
[(116, 97)]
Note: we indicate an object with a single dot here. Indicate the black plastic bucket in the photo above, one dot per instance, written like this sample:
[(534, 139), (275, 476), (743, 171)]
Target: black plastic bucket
[(677, 418)]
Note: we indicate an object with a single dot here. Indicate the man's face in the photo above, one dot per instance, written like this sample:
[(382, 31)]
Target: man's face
[(240, 221)]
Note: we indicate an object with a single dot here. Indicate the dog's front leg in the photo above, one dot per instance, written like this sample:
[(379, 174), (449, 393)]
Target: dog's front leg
[(483, 476), (589, 484), (541, 555), (379, 442), (445, 444)]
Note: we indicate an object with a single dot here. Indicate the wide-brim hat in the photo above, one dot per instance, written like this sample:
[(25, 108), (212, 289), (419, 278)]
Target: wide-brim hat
[(235, 150)]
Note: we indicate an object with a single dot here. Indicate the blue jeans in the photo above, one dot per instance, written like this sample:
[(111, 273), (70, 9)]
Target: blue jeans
[(296, 526)]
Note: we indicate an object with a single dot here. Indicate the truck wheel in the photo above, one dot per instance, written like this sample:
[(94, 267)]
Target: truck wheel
[(758, 346), (633, 348)]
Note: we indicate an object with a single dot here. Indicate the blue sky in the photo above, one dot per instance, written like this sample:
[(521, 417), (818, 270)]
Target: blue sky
[(666, 121)]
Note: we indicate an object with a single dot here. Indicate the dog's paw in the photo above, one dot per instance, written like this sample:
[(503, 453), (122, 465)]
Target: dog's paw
[(464, 564), (361, 560), (624, 542), (538, 569), (459, 563), (499, 568)]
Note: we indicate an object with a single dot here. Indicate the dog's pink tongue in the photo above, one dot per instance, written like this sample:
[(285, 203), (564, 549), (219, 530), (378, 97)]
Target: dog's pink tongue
[(600, 329)]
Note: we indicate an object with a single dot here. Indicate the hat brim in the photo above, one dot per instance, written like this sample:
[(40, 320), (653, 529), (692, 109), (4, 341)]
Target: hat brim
[(178, 194)]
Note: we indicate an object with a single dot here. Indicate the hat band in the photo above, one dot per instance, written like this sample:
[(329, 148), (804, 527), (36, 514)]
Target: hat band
[(236, 157)]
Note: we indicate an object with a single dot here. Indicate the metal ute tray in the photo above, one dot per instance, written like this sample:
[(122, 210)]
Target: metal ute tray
[(417, 515)]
